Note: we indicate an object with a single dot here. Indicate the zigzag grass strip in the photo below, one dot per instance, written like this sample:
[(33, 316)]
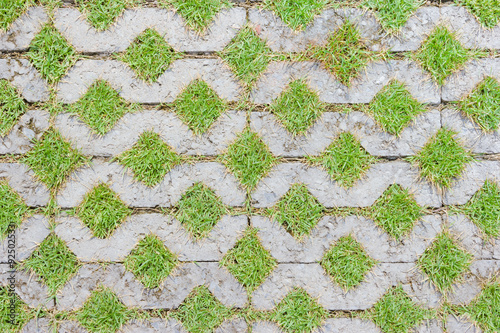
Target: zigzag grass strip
[(25, 78), (22, 31), (30, 126), (22, 180)]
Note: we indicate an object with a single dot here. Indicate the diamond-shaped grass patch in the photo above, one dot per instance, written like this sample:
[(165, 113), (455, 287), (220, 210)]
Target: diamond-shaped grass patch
[(249, 261), (199, 106), (344, 54), (442, 158), (150, 159), (103, 312), (298, 13), (395, 312), (197, 14), (149, 55), (53, 262), (23, 312), (396, 211), (201, 311), (12, 106), (483, 104), (51, 54), (441, 54), (298, 211), (394, 108), (102, 211), (11, 10), (12, 209), (52, 159), (102, 13), (101, 107), (347, 262), (486, 11), (345, 160), (298, 312), (248, 158), (444, 261), (150, 261), (297, 107), (484, 209), (199, 210), (247, 55), (485, 308), (393, 14)]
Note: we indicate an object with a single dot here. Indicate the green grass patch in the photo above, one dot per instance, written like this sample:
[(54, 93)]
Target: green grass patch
[(298, 312), (52, 159), (103, 312), (483, 105), (248, 158), (199, 210), (249, 261), (150, 261), (396, 211), (12, 106), (102, 211), (199, 106), (23, 312), (51, 54), (441, 54), (197, 14), (296, 13), (395, 312), (247, 55), (485, 308), (149, 55), (444, 261), (150, 159), (10, 10), (53, 262), (103, 13), (201, 311), (347, 262), (484, 209), (101, 107), (298, 211), (344, 54), (486, 11), (12, 209), (394, 108), (393, 14), (442, 158), (297, 108), (345, 160)]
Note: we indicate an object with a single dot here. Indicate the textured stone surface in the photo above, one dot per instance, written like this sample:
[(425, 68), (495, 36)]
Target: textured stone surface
[(30, 126), (21, 74), (22, 180), (22, 31)]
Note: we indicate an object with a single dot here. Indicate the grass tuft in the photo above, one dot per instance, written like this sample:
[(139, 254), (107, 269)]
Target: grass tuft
[(149, 55), (347, 262), (248, 158), (150, 261), (394, 108), (101, 107), (298, 312), (393, 14), (52, 159), (296, 13), (150, 159), (53, 262), (23, 312), (249, 261), (486, 11), (10, 10), (298, 211), (297, 107), (51, 54), (12, 209), (396, 211), (444, 261), (442, 158), (345, 160), (12, 106), (102, 211), (485, 308), (199, 210), (102, 13), (483, 105)]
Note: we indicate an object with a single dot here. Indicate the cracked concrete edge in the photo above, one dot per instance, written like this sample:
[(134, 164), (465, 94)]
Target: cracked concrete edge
[(123, 79), (22, 75), (30, 126), (165, 194), (168, 125), (22, 31), (23, 181)]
